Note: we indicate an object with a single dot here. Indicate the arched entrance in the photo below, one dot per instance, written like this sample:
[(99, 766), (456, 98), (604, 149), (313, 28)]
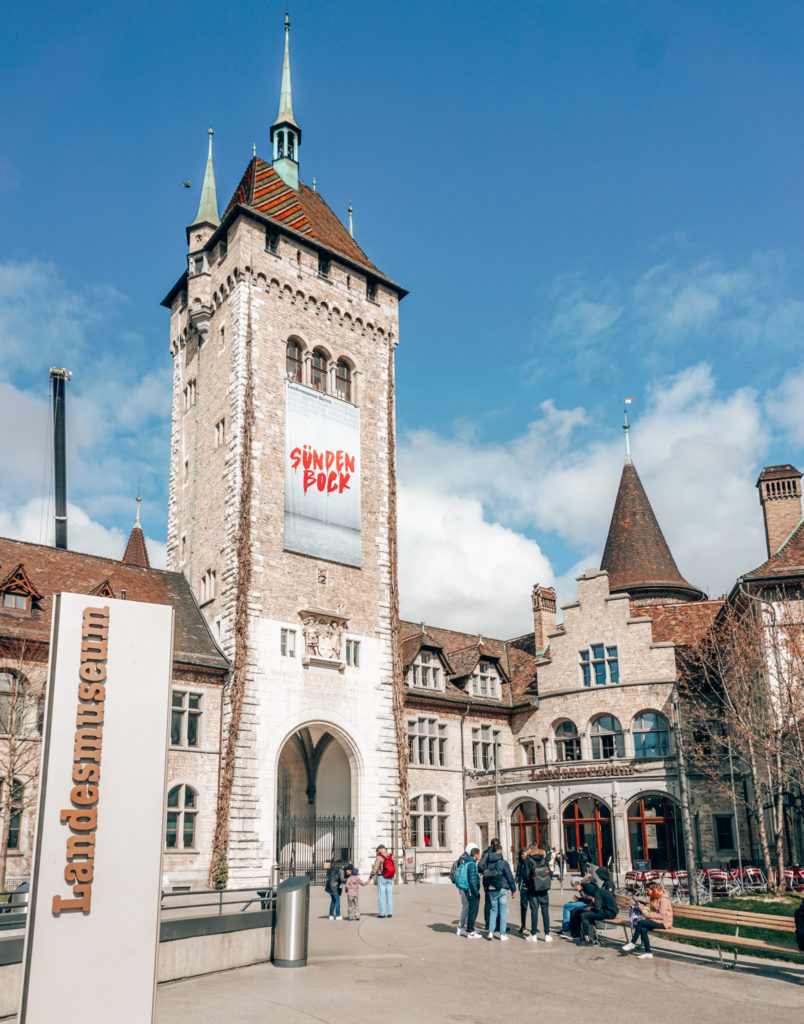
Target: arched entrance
[(528, 825), (654, 833), (587, 821), (314, 803)]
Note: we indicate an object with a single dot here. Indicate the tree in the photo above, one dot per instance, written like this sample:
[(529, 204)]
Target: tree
[(746, 710), (21, 688)]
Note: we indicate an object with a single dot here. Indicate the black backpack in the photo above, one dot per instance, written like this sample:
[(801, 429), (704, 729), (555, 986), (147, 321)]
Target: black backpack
[(492, 875)]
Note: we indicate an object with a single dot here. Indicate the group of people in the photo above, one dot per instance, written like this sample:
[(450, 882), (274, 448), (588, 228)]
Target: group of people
[(595, 899), (342, 876)]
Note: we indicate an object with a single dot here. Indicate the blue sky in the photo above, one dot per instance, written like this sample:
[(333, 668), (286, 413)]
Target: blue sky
[(586, 201)]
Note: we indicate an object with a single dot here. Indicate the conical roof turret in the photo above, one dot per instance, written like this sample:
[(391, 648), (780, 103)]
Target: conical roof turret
[(208, 206), (136, 552), (637, 557)]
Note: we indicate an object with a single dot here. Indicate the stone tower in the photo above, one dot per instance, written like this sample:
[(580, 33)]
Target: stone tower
[(283, 508), (780, 496)]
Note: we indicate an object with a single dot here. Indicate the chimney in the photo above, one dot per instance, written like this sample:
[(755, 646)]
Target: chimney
[(58, 380), (780, 497), (544, 615)]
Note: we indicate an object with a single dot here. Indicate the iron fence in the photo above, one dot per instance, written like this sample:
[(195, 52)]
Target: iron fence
[(305, 845)]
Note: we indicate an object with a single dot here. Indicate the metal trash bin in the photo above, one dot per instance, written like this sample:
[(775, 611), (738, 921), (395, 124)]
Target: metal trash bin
[(291, 923)]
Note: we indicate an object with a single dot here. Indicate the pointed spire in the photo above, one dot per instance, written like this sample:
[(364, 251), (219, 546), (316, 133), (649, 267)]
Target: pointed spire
[(351, 228), (637, 557), (626, 428), (285, 115), (208, 207), (136, 552)]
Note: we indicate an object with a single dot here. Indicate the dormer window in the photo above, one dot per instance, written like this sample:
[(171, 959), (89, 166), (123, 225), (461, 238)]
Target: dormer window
[(425, 672), (485, 681), (17, 591), (11, 600)]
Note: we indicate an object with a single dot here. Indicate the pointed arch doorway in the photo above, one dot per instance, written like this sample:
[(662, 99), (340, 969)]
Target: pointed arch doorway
[(314, 818)]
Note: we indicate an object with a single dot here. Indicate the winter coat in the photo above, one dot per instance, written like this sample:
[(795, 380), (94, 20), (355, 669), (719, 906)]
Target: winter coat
[(504, 880), (537, 874), (335, 881), (353, 883), (603, 899), (661, 910), (472, 877)]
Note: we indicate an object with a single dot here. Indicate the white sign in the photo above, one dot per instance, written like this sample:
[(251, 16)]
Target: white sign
[(322, 475), (93, 925)]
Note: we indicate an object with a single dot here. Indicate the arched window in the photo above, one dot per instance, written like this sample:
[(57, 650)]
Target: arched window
[(319, 370), (568, 743), (290, 145), (587, 822), (607, 738), (654, 833), (13, 696), (280, 144), (428, 822), (294, 361), (651, 735), (14, 810), (528, 825), (343, 381), (182, 805)]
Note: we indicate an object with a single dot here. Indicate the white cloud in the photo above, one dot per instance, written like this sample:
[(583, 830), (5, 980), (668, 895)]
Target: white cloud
[(785, 406)]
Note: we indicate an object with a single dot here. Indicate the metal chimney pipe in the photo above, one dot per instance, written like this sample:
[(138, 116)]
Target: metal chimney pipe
[(58, 378)]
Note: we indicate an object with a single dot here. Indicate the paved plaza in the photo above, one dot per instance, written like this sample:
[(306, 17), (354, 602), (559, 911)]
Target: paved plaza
[(413, 968)]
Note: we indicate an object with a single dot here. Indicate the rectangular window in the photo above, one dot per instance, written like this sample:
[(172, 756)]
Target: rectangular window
[(208, 586), (724, 832), (613, 664), (599, 664), (485, 682), (189, 395), (427, 742), (586, 668), (198, 264), (185, 718), (287, 643), (14, 600), (323, 266), (271, 240), (485, 746), (223, 248), (353, 653), (220, 433), (184, 547), (371, 290), (529, 752)]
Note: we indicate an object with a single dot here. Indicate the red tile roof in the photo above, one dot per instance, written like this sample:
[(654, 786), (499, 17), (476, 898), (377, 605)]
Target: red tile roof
[(262, 189), (53, 571), (788, 560), (682, 624), (637, 557), (136, 552)]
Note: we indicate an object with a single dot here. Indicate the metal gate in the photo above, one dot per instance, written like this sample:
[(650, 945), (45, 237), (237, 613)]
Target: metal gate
[(306, 844)]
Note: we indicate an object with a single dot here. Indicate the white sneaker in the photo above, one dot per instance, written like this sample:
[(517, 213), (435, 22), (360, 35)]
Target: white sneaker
[(339, 918), (474, 935), (628, 947), (503, 938), (645, 956), (548, 937), (332, 917), (490, 937), (531, 938), (460, 931)]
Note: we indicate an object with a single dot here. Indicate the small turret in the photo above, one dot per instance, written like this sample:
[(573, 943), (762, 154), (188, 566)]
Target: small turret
[(285, 133)]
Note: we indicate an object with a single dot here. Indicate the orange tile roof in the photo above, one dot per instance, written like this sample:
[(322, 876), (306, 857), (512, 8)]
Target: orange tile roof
[(136, 552)]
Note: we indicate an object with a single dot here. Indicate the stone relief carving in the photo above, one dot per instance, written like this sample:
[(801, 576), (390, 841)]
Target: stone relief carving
[(323, 635)]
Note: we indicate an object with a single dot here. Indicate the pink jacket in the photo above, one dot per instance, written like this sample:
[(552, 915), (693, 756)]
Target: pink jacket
[(353, 883), (661, 910)]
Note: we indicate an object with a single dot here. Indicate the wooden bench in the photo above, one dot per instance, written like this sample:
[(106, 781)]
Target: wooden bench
[(732, 919)]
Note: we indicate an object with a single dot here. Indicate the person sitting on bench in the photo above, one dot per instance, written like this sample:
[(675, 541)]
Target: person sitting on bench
[(604, 908), (658, 915)]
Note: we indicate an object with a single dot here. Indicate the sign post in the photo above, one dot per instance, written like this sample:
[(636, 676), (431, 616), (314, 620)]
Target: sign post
[(93, 923)]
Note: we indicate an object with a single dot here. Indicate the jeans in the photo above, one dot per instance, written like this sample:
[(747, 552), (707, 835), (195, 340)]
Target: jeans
[(568, 909), (464, 918), (592, 915), (353, 903), (385, 896), (334, 906), (535, 901), (487, 894), (641, 929), (471, 917), (499, 906)]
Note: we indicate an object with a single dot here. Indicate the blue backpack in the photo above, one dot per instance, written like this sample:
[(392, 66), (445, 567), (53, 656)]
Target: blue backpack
[(462, 875)]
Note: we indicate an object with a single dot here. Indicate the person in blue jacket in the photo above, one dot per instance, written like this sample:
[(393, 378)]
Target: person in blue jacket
[(499, 881), (468, 883)]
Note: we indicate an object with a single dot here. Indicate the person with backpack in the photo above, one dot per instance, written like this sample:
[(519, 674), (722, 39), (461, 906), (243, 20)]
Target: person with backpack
[(519, 878), (468, 884), (498, 881), (384, 869), (481, 867), (538, 877), (336, 877), (604, 908)]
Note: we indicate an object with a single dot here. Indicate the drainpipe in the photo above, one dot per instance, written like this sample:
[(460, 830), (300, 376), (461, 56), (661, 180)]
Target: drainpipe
[(463, 780)]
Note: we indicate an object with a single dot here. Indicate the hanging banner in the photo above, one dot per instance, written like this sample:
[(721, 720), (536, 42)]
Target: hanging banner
[(93, 921), (322, 475)]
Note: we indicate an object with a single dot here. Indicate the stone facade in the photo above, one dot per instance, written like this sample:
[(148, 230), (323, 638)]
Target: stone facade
[(242, 305)]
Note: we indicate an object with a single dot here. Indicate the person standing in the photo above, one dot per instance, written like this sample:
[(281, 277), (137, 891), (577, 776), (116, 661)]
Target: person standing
[(468, 883), (336, 876), (481, 868), (538, 879), (352, 886), (519, 878), (658, 915), (498, 881), (584, 859), (383, 869)]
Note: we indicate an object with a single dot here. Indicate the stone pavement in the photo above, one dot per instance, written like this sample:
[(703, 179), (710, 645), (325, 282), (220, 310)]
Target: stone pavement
[(413, 968)]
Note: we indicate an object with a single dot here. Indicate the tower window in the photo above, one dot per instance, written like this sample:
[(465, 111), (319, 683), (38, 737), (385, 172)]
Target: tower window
[(291, 141), (287, 643), (189, 395), (220, 433), (319, 370), (280, 144), (198, 264), (208, 586), (323, 266), (343, 381), (353, 653), (271, 240), (223, 248), (371, 290), (294, 361)]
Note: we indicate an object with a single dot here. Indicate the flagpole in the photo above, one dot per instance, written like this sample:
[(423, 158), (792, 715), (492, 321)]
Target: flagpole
[(626, 428)]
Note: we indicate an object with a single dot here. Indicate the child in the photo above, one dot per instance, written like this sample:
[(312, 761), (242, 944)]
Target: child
[(353, 884)]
